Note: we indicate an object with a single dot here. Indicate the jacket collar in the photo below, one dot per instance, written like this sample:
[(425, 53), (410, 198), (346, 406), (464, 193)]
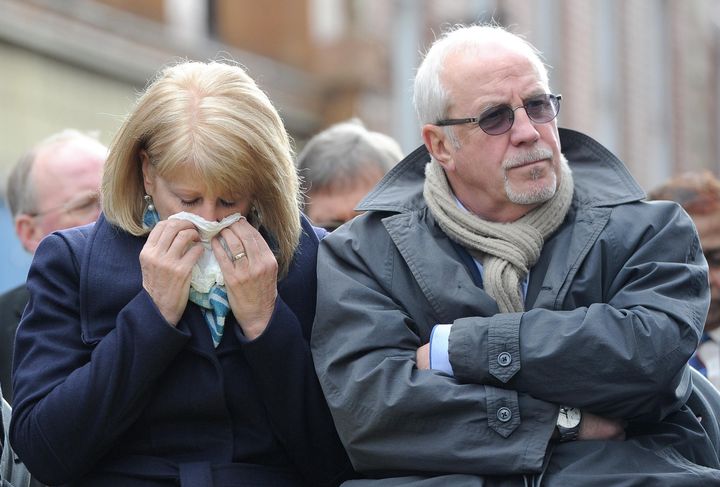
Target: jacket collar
[(110, 278), (600, 177)]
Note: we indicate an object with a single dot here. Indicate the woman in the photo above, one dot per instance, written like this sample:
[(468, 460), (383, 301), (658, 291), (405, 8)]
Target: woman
[(128, 375)]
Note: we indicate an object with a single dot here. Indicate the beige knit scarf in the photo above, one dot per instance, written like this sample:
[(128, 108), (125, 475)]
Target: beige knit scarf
[(507, 250)]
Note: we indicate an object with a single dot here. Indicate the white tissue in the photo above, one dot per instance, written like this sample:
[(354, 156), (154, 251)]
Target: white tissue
[(206, 271)]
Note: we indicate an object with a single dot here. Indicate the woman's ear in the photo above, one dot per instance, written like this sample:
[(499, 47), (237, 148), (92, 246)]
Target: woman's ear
[(254, 218), (148, 171)]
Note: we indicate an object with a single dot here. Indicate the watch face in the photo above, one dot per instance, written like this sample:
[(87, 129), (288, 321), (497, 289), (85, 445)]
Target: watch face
[(569, 417)]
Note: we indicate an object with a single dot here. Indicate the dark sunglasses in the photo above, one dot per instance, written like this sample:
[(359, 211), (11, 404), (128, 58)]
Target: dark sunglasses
[(499, 119)]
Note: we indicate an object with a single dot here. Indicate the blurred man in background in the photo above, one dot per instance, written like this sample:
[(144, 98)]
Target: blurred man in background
[(699, 194), (53, 186), (339, 166)]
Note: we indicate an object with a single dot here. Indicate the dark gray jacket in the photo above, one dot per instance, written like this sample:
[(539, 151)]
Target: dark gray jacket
[(614, 309)]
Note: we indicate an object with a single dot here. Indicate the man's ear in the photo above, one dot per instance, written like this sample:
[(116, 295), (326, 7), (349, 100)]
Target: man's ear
[(439, 145), (28, 232)]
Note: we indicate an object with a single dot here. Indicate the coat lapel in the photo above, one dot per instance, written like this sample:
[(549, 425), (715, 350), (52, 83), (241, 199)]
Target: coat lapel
[(442, 276), (110, 277), (447, 283), (551, 276)]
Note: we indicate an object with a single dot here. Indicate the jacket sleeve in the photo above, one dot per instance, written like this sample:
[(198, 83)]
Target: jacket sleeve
[(72, 401), (391, 416), (281, 362), (619, 343)]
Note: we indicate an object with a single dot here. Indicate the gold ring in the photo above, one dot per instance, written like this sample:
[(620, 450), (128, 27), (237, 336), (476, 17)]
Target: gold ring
[(239, 256)]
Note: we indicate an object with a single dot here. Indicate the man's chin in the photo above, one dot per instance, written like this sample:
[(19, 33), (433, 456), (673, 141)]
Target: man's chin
[(537, 194)]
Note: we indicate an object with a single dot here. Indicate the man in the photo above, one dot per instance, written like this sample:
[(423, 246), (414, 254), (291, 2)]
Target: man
[(339, 166), (53, 186), (566, 307), (699, 195)]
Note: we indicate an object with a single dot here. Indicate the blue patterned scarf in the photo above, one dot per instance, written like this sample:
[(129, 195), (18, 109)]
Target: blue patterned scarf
[(215, 308)]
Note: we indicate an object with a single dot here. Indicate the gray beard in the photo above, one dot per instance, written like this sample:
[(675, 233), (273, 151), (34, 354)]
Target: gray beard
[(539, 194)]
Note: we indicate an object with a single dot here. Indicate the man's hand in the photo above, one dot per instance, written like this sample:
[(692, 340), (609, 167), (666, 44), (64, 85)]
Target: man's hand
[(594, 427), (422, 357)]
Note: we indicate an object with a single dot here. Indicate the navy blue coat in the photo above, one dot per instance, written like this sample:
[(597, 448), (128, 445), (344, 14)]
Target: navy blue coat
[(107, 393)]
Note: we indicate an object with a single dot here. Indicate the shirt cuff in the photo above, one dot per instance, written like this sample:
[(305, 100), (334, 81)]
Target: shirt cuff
[(439, 342)]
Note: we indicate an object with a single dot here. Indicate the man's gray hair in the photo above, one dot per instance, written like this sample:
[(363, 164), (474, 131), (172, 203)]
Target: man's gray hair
[(343, 151), (20, 190), (430, 98)]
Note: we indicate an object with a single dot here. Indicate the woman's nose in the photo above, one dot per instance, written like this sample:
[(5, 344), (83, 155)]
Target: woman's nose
[(209, 212)]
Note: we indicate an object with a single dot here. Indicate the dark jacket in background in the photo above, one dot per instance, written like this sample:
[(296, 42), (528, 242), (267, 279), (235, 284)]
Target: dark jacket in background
[(12, 304), (12, 472), (107, 393)]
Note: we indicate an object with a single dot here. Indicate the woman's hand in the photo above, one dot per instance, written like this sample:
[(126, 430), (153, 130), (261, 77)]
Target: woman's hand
[(166, 261), (250, 275)]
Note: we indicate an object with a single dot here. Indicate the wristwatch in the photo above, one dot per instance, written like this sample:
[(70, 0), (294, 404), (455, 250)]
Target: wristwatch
[(568, 423)]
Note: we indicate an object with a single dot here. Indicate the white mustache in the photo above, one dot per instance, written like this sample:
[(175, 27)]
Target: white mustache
[(532, 156)]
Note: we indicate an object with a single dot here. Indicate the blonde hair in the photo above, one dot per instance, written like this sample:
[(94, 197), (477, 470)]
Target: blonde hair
[(212, 119)]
